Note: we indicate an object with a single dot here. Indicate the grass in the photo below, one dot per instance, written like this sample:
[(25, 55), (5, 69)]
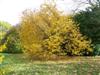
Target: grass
[(17, 64)]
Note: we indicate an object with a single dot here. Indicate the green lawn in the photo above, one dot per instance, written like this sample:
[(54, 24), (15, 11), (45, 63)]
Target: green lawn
[(17, 64)]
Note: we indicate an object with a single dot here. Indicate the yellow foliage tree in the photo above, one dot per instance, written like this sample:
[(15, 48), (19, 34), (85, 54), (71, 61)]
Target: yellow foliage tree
[(49, 31)]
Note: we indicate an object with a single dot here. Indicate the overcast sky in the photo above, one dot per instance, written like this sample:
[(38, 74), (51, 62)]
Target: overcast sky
[(10, 10)]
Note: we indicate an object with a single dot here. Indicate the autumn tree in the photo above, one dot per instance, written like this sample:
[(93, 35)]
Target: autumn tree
[(49, 31)]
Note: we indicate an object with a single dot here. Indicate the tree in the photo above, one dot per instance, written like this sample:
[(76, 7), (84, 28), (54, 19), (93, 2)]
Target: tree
[(11, 41), (49, 31), (4, 27), (89, 23)]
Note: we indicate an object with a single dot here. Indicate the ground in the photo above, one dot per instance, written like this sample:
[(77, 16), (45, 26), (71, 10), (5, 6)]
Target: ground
[(18, 64)]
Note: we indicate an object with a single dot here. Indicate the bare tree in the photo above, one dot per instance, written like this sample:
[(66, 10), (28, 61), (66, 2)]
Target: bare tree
[(82, 3)]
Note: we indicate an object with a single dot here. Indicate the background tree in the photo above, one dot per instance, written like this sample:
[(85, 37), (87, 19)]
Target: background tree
[(89, 23), (10, 43), (4, 27)]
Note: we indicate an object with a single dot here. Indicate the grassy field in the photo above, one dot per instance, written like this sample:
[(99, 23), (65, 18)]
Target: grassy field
[(17, 64)]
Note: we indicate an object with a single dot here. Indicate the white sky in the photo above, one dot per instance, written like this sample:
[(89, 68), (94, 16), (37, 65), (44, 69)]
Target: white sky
[(10, 10)]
